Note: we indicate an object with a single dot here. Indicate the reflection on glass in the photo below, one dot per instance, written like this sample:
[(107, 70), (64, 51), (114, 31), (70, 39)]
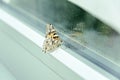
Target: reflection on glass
[(75, 23)]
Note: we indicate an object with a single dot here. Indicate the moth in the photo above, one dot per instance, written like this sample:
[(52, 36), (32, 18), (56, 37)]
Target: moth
[(52, 40)]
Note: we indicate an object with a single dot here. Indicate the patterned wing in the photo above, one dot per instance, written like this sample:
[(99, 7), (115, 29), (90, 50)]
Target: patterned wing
[(52, 40)]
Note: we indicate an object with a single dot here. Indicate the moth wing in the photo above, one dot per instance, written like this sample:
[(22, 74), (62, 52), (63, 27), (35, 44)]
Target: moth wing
[(50, 28), (52, 40)]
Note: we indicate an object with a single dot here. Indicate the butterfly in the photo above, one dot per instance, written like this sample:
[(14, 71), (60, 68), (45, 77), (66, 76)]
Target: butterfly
[(52, 40)]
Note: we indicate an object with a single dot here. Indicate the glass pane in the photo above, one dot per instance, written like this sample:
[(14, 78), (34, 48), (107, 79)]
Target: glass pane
[(76, 24)]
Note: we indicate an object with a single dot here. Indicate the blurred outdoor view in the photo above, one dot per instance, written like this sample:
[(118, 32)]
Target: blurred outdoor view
[(75, 23)]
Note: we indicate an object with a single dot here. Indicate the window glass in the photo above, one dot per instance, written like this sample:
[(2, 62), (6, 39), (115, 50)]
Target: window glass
[(76, 24)]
